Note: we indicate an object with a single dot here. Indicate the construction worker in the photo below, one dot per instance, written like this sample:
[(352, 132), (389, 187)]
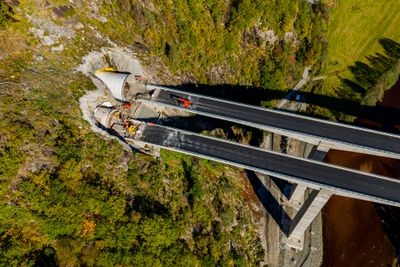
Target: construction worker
[(126, 124)]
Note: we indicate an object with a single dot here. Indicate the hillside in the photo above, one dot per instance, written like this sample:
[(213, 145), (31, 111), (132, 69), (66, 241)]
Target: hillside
[(70, 197), (361, 60), (355, 29)]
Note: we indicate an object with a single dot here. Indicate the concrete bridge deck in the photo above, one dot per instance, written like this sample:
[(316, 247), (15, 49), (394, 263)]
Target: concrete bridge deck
[(308, 129), (317, 175)]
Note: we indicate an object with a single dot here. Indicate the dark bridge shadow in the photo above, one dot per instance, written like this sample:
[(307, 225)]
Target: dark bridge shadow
[(269, 202), (146, 206), (366, 76), (386, 116), (200, 123)]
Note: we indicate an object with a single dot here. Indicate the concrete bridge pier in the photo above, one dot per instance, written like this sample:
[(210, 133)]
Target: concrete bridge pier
[(307, 209), (305, 216), (297, 194)]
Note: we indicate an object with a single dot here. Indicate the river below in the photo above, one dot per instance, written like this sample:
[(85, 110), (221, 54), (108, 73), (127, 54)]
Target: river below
[(361, 233)]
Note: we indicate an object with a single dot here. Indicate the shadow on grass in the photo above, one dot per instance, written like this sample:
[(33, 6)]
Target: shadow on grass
[(366, 75)]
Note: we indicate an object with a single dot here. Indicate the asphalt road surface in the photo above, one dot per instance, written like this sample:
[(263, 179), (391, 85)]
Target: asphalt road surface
[(248, 115), (343, 180)]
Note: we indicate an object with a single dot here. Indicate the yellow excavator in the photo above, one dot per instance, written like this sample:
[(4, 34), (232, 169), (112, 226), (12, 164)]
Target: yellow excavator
[(130, 128)]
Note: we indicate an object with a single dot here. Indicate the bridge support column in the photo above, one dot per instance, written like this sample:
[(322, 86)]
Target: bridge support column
[(297, 196), (306, 212), (319, 152), (298, 191), (305, 216)]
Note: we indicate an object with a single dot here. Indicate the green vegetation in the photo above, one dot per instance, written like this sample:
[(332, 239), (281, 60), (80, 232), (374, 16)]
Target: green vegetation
[(371, 80), (70, 198), (5, 14), (361, 61), (235, 42), (355, 28)]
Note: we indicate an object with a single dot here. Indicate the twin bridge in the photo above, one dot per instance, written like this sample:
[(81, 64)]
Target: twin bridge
[(324, 179), (314, 181)]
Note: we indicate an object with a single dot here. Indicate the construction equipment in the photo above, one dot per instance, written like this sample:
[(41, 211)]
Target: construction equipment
[(182, 102), (132, 129), (129, 127)]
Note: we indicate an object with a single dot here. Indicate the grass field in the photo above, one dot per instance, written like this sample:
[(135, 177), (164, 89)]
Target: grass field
[(355, 27)]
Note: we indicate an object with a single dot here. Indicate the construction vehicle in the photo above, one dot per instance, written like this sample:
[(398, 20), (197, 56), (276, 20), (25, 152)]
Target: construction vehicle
[(182, 102), (130, 127)]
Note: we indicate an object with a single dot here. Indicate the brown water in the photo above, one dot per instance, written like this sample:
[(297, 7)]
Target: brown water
[(354, 233)]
